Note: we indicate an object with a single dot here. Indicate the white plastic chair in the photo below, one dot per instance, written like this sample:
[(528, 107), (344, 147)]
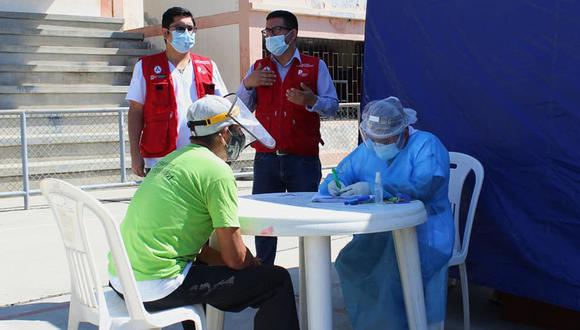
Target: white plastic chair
[(215, 317), (461, 165), (89, 302)]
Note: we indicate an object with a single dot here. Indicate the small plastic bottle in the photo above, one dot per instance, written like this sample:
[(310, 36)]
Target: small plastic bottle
[(378, 189)]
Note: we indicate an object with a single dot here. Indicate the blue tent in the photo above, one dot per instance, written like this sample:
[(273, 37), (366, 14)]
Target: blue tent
[(499, 80)]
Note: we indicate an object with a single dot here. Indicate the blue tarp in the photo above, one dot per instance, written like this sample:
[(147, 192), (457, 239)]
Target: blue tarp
[(499, 80)]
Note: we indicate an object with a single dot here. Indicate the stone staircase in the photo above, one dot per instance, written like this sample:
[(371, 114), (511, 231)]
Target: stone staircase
[(56, 62)]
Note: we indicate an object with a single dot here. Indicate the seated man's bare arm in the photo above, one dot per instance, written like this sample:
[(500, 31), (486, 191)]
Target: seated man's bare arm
[(233, 251)]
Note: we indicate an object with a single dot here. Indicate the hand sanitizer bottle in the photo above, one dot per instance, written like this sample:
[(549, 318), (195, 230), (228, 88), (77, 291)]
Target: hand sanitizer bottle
[(378, 189)]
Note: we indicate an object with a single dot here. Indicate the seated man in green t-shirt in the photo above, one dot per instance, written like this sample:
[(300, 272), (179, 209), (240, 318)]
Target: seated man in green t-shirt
[(188, 195)]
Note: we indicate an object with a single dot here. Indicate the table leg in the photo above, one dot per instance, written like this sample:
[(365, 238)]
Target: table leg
[(303, 312), (317, 259), (408, 260), (214, 318)]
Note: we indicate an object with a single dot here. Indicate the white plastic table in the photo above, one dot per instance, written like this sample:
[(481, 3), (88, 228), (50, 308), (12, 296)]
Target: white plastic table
[(292, 214)]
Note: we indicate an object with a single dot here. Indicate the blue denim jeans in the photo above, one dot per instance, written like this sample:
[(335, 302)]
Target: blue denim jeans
[(282, 173)]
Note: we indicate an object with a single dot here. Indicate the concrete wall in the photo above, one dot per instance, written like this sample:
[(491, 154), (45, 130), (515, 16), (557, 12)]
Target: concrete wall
[(222, 44), (229, 30), (133, 14), (154, 8), (354, 9), (130, 10), (324, 19), (64, 7)]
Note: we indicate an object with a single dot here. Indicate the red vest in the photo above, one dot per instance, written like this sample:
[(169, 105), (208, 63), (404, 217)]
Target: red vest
[(160, 109), (295, 129)]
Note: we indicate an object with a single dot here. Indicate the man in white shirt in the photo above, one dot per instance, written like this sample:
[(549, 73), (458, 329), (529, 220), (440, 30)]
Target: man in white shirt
[(163, 87)]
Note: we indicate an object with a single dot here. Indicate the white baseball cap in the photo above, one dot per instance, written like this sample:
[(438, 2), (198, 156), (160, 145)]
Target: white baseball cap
[(212, 113)]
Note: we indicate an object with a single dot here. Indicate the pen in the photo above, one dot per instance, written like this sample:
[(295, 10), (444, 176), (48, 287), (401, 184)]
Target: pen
[(359, 199), (335, 177)]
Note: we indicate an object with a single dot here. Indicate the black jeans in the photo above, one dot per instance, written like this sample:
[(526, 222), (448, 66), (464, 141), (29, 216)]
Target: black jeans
[(287, 173), (268, 288)]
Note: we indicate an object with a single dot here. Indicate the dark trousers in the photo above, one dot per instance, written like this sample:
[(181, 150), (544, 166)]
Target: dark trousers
[(268, 288), (287, 173)]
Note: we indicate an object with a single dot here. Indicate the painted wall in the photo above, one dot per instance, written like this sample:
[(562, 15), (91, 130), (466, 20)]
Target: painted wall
[(155, 8), (222, 44), (64, 7), (354, 9), (230, 30), (310, 26), (133, 14)]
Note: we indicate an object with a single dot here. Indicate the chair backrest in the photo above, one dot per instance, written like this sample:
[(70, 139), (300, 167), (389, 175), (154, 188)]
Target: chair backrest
[(461, 165), (69, 205)]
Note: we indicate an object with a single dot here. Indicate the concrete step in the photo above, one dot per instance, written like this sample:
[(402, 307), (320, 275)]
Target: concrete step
[(64, 50), (95, 145), (54, 129), (76, 33), (56, 55), (133, 60), (68, 37), (28, 74), (116, 43), (87, 177), (43, 40), (66, 68), (57, 129), (72, 107), (58, 122), (62, 89), (35, 19), (24, 96), (87, 162), (71, 166)]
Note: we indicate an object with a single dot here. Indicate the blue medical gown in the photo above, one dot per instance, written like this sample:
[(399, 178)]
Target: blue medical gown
[(367, 266)]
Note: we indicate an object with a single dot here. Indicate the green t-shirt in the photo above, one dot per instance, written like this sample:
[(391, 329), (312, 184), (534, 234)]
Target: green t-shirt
[(182, 199)]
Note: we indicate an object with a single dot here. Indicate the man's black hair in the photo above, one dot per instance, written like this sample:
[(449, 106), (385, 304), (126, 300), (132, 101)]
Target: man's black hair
[(290, 19), (207, 139), (173, 12)]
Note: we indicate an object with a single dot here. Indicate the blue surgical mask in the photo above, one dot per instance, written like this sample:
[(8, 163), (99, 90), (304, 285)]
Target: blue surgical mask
[(386, 152), (182, 41), (276, 44)]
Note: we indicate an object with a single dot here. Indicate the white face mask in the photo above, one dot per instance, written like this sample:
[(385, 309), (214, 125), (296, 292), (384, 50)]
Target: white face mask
[(386, 152), (277, 44)]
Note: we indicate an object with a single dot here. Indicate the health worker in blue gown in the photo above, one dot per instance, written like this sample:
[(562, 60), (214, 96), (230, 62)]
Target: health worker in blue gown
[(410, 162)]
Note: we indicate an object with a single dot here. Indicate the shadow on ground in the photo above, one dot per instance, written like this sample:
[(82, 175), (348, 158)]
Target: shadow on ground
[(52, 313)]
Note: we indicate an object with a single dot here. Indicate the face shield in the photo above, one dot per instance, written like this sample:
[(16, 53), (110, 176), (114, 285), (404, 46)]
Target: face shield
[(243, 127), (237, 142), (251, 127)]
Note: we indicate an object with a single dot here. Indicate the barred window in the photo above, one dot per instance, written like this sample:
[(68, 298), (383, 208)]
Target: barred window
[(344, 59)]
